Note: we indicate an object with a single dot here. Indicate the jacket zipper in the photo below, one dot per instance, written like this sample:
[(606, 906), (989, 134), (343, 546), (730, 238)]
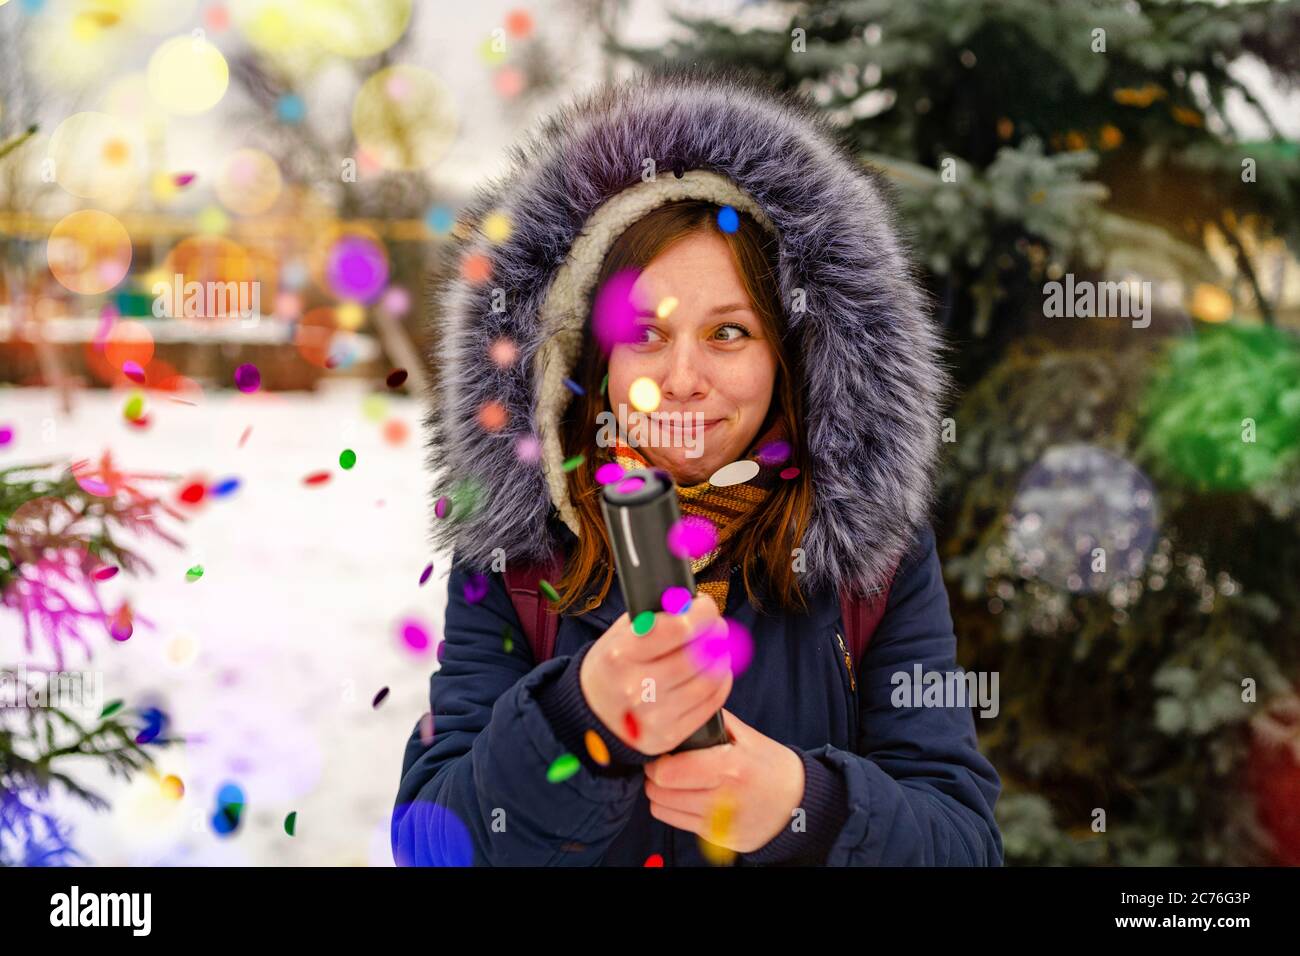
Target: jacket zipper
[(848, 662)]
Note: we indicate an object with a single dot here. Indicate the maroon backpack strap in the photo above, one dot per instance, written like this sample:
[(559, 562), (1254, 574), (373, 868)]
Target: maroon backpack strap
[(540, 624), (862, 614)]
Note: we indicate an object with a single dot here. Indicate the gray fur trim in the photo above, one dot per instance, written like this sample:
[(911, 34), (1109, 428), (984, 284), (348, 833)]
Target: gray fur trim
[(875, 382)]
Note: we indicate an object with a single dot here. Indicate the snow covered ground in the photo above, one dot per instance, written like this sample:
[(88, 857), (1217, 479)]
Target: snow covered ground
[(272, 659)]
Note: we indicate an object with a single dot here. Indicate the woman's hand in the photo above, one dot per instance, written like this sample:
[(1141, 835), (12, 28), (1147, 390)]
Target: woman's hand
[(652, 691), (738, 795)]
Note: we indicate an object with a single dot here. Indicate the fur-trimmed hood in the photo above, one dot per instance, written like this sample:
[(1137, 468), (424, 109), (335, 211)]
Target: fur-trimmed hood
[(874, 377)]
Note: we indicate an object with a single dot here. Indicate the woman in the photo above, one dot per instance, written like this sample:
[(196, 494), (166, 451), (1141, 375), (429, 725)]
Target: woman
[(775, 318)]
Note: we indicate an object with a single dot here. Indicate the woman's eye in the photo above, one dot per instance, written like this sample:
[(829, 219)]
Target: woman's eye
[(740, 330), (641, 334)]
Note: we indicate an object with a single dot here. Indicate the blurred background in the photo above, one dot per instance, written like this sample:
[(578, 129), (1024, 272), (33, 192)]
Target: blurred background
[(217, 224)]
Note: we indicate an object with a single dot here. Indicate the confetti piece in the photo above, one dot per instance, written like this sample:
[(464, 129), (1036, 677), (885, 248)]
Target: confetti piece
[(603, 383), (676, 600), (134, 407), (476, 588), (347, 458), (104, 573), (194, 573), (155, 720), (193, 493), (379, 698), (630, 726), (506, 640), (643, 623), (244, 437), (596, 748), (121, 627), (574, 462), (441, 506), (224, 487), (728, 219), (654, 859), (173, 786), (6, 435), (562, 768), (735, 473), (609, 473), (574, 387), (183, 179), (424, 575), (545, 587), (773, 453), (133, 371), (317, 478), (111, 708), (629, 485), (396, 377), (414, 635), (291, 822), (248, 378), (790, 472), (692, 537), (666, 306), (141, 422)]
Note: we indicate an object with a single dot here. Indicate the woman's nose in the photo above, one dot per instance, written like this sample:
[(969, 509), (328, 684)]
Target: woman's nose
[(684, 379)]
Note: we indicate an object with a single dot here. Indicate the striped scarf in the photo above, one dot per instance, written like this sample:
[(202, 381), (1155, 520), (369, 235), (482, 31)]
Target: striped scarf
[(726, 506)]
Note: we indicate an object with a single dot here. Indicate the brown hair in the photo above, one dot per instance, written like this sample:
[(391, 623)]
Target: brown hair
[(773, 530)]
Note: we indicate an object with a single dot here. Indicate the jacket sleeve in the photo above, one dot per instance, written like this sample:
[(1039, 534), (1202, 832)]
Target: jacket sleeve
[(917, 791), (477, 792)]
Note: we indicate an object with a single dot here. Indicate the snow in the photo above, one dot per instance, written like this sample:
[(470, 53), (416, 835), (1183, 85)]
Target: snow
[(269, 662)]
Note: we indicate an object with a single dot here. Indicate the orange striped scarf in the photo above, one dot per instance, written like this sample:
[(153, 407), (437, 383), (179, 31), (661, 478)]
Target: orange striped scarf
[(725, 506)]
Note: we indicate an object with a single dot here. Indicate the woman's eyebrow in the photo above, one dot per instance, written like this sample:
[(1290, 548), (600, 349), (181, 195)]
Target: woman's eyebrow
[(716, 310)]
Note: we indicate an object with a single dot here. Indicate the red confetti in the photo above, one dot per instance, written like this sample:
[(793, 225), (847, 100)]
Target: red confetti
[(317, 478), (654, 859), (396, 377), (193, 493), (104, 573), (244, 437), (631, 726), (141, 422)]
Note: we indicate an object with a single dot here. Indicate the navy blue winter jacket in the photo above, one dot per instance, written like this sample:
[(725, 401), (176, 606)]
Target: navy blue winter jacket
[(885, 785)]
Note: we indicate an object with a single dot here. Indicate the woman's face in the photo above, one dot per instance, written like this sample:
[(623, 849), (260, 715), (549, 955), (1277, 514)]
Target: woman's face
[(708, 355)]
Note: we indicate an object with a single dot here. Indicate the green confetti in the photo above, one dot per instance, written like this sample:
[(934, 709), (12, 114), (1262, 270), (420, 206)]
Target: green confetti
[(643, 622), (347, 458), (603, 382), (290, 822), (505, 636), (574, 462), (134, 406), (194, 573), (550, 592), (111, 708), (564, 767)]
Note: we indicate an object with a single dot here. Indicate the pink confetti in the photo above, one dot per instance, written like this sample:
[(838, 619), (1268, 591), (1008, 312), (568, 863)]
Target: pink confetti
[(675, 600), (414, 635), (728, 642), (692, 537), (609, 473)]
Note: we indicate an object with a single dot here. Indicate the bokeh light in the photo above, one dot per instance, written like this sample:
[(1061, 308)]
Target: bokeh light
[(1082, 519), (188, 75), (404, 117), (95, 157), (249, 182), (89, 252)]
